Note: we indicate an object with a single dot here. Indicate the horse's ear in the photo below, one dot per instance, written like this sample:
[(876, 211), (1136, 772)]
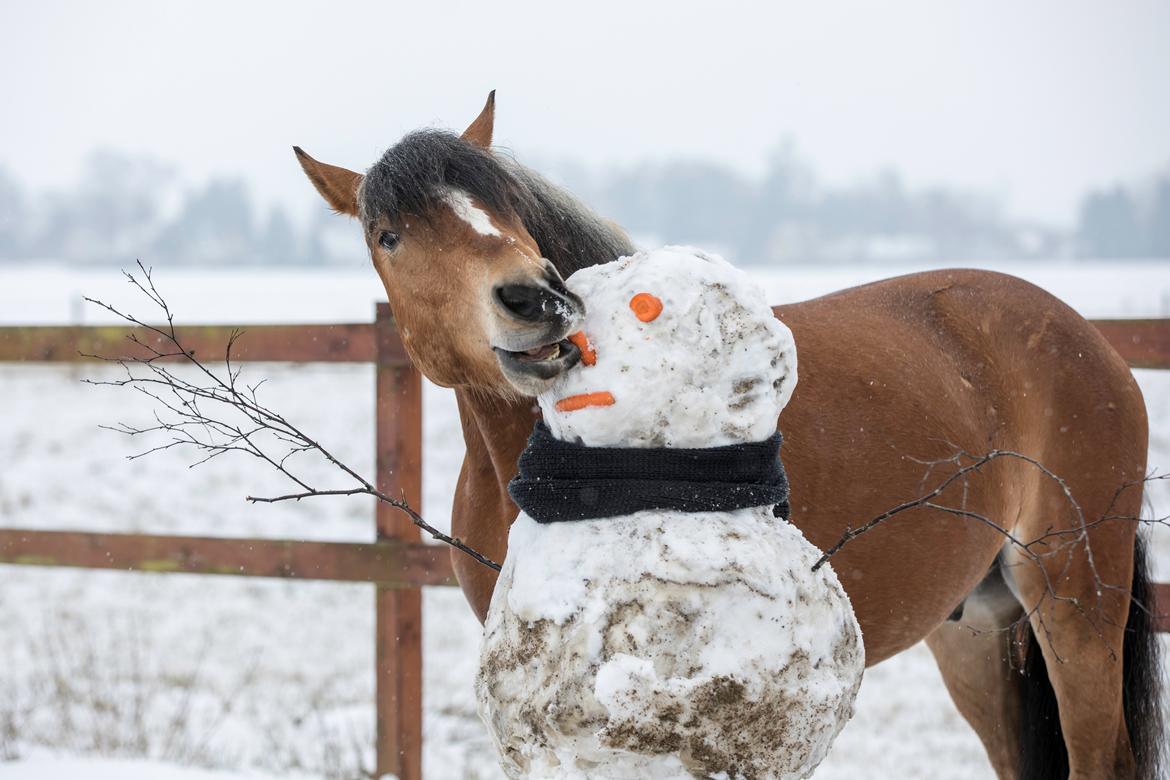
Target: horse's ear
[(338, 186), (479, 132)]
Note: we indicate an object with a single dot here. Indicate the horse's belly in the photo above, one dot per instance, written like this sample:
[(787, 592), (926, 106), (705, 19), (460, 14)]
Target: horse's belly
[(665, 645)]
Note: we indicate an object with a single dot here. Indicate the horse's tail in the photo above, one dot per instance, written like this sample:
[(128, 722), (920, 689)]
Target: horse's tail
[(1042, 751), (1143, 672), (1043, 755)]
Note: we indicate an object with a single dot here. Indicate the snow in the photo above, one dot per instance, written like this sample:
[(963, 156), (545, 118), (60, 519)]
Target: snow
[(49, 767), (714, 367), (666, 644), (52, 294), (465, 208), (295, 660), (665, 626)]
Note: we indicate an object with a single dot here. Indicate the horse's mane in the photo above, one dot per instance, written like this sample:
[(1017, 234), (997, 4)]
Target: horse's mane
[(414, 173)]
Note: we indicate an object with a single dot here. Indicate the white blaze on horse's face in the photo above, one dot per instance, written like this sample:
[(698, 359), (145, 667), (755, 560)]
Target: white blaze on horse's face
[(464, 207), (685, 352)]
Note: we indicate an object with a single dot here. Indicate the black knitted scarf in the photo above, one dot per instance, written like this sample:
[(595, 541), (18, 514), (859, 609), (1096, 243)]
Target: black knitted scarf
[(561, 481)]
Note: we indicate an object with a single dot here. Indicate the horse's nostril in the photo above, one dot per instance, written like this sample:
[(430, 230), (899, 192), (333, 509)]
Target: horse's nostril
[(523, 301), (556, 283)]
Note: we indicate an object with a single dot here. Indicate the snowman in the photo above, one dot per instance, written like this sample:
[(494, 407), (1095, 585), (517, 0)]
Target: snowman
[(657, 616)]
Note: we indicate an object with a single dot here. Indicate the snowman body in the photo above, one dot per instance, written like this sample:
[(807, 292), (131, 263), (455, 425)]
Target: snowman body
[(666, 643)]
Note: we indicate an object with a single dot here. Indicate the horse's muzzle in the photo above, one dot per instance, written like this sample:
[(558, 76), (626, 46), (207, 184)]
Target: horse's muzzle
[(528, 369), (534, 318)]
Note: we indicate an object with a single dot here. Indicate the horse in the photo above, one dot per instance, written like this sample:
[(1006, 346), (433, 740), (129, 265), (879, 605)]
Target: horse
[(1023, 572)]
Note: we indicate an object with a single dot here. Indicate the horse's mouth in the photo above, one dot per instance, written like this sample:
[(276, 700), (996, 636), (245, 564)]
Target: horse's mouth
[(542, 362)]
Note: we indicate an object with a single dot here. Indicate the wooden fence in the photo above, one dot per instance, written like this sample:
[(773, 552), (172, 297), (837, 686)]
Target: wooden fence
[(397, 563)]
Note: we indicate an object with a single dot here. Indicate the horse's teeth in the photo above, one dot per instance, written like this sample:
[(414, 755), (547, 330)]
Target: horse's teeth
[(546, 352)]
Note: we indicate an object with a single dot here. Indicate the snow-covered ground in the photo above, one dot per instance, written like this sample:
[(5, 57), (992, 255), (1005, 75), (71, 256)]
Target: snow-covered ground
[(41, 765), (275, 676)]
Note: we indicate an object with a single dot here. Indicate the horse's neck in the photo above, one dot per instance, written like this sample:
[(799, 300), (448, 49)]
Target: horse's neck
[(495, 432)]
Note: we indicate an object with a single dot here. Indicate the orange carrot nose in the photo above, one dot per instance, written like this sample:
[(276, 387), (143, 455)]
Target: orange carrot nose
[(584, 400), (588, 353), (646, 307)]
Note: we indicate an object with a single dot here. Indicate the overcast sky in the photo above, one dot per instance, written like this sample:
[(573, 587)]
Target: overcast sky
[(1031, 102)]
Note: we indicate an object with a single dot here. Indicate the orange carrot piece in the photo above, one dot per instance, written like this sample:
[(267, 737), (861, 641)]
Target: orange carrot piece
[(588, 353), (646, 307), (584, 400)]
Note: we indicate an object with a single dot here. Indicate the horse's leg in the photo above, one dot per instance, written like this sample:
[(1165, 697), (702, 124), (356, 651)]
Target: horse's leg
[(1078, 609), (973, 655)]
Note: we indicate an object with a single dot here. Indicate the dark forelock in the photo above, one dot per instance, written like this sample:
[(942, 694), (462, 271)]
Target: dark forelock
[(414, 173)]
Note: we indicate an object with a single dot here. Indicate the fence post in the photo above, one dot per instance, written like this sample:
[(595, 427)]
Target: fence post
[(398, 611)]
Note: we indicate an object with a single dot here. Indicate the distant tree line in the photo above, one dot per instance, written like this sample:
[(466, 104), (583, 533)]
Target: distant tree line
[(126, 207), (788, 217), (1127, 221)]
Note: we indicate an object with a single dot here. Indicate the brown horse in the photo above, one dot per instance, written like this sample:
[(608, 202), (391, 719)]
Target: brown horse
[(896, 379)]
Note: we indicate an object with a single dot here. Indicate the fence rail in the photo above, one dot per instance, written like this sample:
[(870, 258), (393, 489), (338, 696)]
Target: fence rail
[(349, 343), (397, 563), (1143, 343), (389, 563)]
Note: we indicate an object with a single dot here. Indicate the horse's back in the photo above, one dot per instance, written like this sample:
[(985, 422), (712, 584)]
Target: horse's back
[(1027, 364), (897, 377)]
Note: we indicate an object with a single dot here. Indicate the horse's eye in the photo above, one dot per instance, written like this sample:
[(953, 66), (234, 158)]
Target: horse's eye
[(388, 240)]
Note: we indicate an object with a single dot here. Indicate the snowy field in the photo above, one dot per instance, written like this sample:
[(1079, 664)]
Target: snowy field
[(250, 676)]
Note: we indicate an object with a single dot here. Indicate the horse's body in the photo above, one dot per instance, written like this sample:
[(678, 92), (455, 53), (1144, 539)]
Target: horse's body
[(911, 370), (896, 378)]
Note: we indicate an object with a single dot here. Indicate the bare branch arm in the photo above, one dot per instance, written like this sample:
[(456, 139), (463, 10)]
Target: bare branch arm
[(217, 414)]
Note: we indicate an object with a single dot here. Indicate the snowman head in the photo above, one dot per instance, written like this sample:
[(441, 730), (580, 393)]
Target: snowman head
[(679, 349)]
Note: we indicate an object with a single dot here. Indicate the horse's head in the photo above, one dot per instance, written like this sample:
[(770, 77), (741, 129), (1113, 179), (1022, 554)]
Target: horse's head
[(458, 237)]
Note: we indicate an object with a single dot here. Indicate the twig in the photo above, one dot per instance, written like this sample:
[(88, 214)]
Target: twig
[(217, 414), (1065, 541)]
